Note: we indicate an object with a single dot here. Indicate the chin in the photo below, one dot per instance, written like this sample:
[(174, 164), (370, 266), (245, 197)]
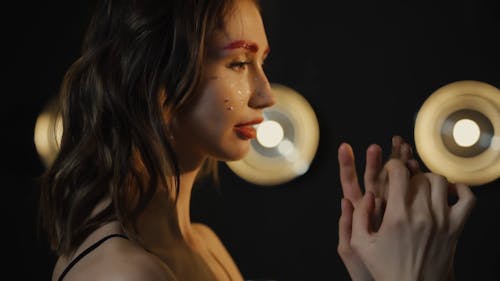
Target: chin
[(235, 154)]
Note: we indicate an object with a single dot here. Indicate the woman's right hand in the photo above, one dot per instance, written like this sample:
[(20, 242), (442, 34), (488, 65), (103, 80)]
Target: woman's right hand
[(375, 181), (418, 231)]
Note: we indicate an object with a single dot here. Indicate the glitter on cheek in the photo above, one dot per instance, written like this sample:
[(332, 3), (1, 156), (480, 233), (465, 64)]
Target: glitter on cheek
[(240, 93), (228, 105), (248, 93), (241, 97)]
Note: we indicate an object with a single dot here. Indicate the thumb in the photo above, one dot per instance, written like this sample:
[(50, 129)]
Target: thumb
[(363, 216)]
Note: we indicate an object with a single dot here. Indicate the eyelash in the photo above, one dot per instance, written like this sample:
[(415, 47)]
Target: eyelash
[(239, 65)]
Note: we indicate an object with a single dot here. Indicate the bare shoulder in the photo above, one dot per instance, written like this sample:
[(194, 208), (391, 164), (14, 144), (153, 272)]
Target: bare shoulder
[(120, 260), (205, 231), (217, 248), (136, 264), (209, 236)]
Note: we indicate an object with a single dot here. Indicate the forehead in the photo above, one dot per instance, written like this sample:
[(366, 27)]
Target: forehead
[(243, 22)]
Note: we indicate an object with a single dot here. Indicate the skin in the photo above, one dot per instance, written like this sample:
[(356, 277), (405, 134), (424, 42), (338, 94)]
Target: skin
[(234, 90), (374, 179), (403, 219), (234, 77)]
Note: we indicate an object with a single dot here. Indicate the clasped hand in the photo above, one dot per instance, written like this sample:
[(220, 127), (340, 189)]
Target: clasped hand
[(402, 227)]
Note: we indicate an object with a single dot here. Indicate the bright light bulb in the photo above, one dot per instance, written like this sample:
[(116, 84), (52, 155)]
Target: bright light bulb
[(269, 133), (466, 132)]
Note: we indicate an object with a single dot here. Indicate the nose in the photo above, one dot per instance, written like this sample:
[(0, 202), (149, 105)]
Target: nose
[(262, 96)]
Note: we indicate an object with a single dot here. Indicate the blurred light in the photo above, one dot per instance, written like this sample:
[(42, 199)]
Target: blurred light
[(300, 167), (286, 147), (495, 143), (457, 132), (466, 132), (47, 134), (286, 141), (269, 133)]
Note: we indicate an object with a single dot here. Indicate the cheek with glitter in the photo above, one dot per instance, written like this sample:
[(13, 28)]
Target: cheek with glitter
[(228, 105), (247, 95), (241, 97)]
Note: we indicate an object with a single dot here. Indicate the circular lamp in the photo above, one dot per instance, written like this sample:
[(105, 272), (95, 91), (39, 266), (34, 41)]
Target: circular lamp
[(286, 141), (457, 132)]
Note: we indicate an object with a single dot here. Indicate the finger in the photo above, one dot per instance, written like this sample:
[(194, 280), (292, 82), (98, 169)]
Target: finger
[(409, 158), (405, 152), (378, 213), (345, 226), (396, 147), (399, 186), (362, 217), (439, 198), (373, 168), (414, 167), (348, 174), (421, 194), (460, 211)]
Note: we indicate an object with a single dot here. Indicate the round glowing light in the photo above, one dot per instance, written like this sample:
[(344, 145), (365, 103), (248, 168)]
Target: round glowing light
[(466, 132), (42, 142), (457, 132), (47, 134), (269, 133), (286, 147)]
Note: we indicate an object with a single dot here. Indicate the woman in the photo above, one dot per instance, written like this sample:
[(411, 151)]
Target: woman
[(162, 90)]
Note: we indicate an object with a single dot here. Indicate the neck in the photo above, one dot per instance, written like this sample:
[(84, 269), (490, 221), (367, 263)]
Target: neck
[(155, 223), (184, 203)]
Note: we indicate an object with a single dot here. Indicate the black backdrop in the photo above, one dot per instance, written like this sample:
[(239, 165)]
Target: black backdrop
[(365, 67)]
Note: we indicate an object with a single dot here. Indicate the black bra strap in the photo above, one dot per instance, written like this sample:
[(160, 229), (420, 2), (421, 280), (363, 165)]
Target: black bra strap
[(88, 250)]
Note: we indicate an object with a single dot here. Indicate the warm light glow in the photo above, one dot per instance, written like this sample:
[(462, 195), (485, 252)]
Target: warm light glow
[(42, 143), (286, 147), (47, 136), (495, 144), (466, 132), (269, 133), (285, 143)]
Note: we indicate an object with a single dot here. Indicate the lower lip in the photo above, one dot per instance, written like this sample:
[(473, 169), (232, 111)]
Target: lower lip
[(245, 132)]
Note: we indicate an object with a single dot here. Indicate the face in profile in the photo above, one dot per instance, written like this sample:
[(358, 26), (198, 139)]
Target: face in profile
[(234, 90)]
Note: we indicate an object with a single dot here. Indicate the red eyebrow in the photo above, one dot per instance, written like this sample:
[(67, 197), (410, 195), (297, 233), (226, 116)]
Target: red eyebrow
[(242, 44)]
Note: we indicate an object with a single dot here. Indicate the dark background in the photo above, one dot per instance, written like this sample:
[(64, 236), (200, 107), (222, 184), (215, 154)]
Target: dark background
[(364, 66)]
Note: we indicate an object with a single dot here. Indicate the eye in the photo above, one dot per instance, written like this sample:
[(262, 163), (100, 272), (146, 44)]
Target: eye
[(238, 65)]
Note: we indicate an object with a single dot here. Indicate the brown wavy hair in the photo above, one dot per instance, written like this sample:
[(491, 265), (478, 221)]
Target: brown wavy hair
[(115, 141)]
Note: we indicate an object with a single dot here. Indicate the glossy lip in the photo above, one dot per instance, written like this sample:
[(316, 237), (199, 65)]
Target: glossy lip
[(251, 123), (246, 130)]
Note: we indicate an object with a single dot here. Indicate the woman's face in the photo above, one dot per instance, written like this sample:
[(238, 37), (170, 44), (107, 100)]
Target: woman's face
[(234, 90)]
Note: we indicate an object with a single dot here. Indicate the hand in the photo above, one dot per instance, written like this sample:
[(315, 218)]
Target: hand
[(375, 179), (419, 230), (448, 225)]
